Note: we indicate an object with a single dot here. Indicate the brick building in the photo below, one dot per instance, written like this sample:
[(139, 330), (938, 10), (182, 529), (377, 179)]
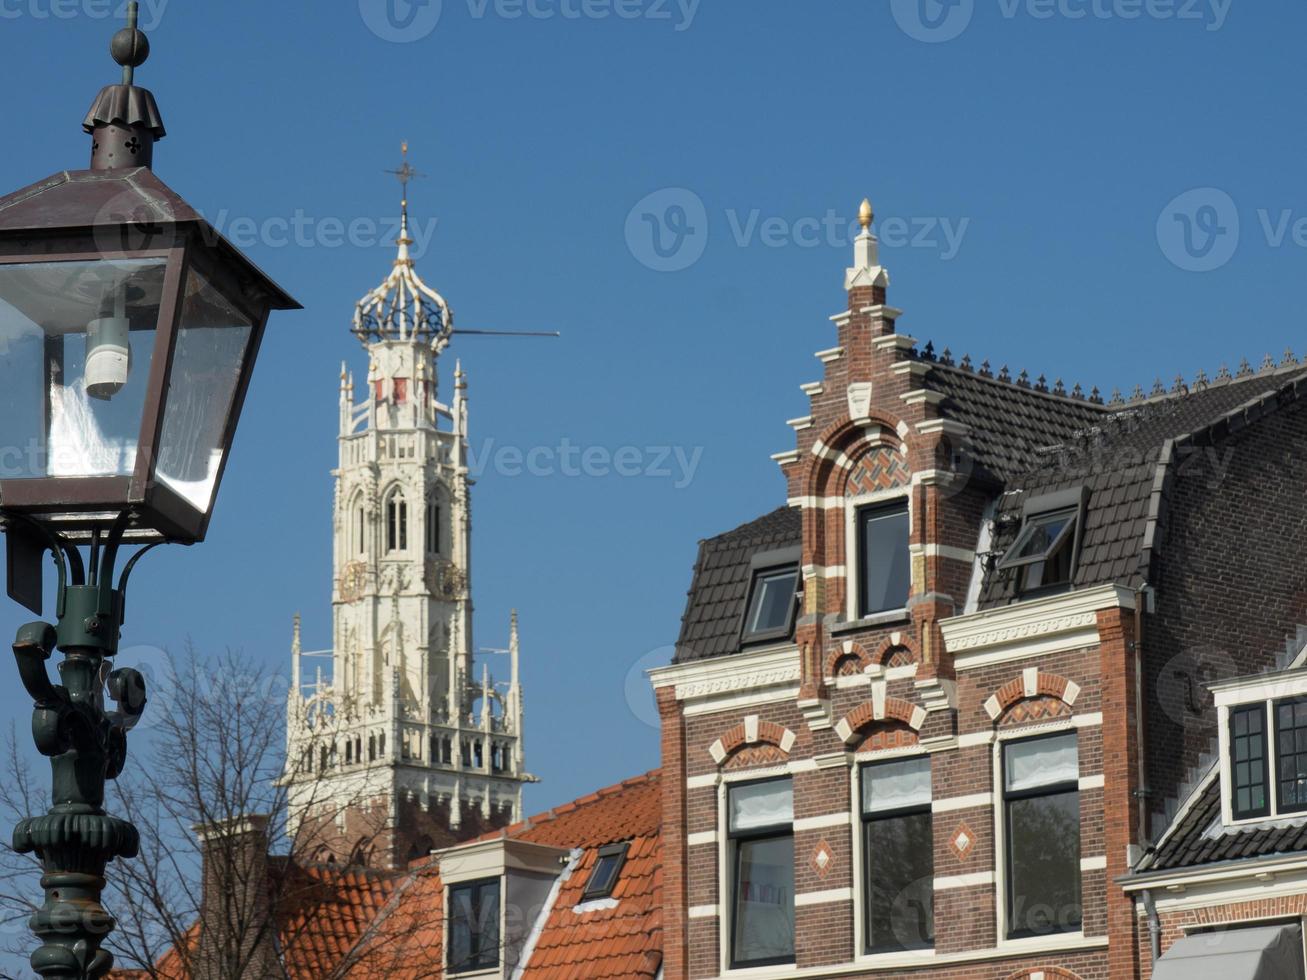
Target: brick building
[(1009, 686), (946, 712)]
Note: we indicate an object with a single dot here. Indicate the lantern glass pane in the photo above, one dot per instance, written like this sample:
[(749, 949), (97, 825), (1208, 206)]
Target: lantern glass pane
[(76, 339), (213, 340)]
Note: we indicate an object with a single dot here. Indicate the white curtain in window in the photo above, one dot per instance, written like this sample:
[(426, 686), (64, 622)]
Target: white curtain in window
[(1041, 762), (896, 785), (769, 804)]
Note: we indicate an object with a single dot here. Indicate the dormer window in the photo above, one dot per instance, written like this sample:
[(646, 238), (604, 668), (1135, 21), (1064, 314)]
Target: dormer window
[(608, 866), (773, 597), (1045, 550), (1263, 745)]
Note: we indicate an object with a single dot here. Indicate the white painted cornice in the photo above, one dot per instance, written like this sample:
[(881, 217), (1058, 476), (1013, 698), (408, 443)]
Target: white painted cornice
[(727, 675), (1030, 628)]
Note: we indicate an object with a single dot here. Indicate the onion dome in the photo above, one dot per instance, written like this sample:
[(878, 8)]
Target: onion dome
[(403, 307)]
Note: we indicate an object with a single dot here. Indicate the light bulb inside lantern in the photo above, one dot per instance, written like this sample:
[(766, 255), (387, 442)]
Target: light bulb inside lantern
[(108, 350)]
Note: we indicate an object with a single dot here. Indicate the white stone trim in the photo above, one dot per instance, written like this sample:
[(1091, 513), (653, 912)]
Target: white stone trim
[(823, 571), (702, 781), (950, 803), (947, 551), (702, 912), (787, 741), (949, 426), (922, 396), (787, 457), (915, 368), (1265, 687), (740, 672), (718, 752), (812, 388), (829, 355), (992, 707), (973, 880), (701, 838), (1030, 681), (1035, 627), (823, 821), (1071, 693), (1098, 863), (751, 729), (823, 897), (893, 341), (803, 422), (1092, 782)]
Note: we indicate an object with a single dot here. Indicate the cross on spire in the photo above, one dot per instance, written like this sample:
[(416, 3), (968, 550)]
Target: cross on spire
[(406, 172)]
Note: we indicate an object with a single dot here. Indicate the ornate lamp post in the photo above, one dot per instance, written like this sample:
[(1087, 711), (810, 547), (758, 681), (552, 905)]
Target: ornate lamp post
[(128, 333)]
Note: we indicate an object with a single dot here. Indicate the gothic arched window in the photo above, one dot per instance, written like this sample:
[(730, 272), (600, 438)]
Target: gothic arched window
[(433, 529), (397, 522), (360, 529)]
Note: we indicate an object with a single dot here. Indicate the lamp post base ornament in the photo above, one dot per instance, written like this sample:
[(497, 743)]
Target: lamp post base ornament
[(87, 746)]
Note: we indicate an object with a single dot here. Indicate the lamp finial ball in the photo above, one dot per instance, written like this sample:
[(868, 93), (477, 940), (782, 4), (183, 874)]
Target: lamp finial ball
[(130, 47), (865, 214)]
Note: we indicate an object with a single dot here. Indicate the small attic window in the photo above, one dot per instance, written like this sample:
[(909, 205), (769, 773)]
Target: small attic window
[(771, 604), (1045, 551), (607, 868)]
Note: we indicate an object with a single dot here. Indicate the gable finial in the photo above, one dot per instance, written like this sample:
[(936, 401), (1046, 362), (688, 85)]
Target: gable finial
[(865, 213)]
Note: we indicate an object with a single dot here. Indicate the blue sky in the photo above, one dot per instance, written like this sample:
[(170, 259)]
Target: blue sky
[(1031, 162)]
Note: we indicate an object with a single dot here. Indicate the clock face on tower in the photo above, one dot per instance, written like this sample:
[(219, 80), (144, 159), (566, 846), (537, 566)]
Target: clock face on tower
[(353, 579)]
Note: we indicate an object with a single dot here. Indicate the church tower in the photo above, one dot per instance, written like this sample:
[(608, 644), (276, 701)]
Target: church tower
[(407, 746)]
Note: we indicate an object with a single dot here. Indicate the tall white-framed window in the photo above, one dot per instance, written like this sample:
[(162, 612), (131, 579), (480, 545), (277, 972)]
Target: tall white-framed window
[(897, 854), (757, 888), (878, 563), (1037, 831)]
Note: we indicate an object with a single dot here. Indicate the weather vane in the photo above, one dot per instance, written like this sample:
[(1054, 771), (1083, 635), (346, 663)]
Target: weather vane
[(406, 172)]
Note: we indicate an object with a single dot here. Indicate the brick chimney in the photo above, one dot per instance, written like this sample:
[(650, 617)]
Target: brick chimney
[(237, 931)]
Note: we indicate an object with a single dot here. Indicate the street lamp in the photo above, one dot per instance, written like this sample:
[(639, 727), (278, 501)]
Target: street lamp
[(128, 333)]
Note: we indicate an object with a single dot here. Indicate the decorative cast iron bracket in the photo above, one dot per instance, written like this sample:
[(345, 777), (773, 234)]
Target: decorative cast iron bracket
[(86, 745)]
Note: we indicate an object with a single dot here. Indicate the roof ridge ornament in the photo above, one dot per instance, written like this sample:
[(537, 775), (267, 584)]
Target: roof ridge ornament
[(124, 120), (866, 269)]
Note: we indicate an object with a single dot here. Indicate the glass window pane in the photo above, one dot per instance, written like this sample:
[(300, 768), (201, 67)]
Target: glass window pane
[(755, 805), (488, 924), (211, 346), (76, 340), (764, 900), (1292, 740), (772, 601), (461, 917), (1044, 864), (1249, 790), (900, 883), (1041, 762), (896, 785), (1040, 534), (884, 567)]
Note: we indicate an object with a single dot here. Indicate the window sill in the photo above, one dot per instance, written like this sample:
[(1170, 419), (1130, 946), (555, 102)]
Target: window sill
[(867, 622), (776, 971), (1052, 942)]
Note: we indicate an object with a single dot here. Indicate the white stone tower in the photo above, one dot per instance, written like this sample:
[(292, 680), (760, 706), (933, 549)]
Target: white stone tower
[(404, 748)]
